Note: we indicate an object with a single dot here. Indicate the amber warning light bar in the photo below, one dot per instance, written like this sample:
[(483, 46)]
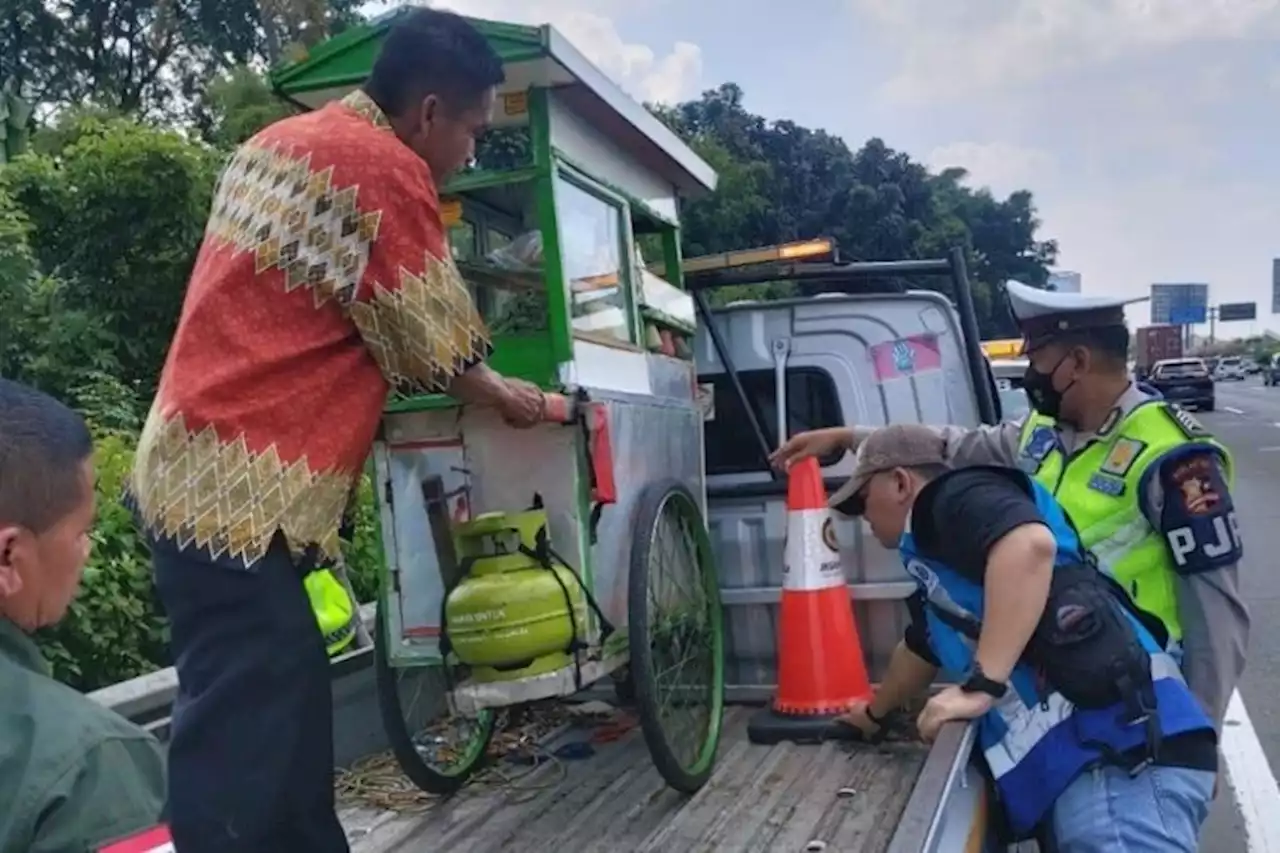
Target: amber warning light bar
[(806, 250)]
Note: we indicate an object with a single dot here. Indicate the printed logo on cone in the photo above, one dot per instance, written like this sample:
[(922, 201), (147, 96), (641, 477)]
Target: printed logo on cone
[(812, 558)]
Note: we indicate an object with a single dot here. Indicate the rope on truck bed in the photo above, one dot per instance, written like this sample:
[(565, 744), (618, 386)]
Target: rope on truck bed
[(520, 748)]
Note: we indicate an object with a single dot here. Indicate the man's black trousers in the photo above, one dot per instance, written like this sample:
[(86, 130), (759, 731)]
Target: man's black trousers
[(251, 744)]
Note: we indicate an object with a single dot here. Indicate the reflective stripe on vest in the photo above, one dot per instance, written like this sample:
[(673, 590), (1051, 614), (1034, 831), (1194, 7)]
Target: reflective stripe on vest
[(1036, 745), (1028, 726), (1100, 486)]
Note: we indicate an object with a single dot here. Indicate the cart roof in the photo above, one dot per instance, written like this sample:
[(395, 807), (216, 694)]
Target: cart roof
[(532, 56)]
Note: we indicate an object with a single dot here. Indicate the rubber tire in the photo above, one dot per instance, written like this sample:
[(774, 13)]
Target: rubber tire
[(1207, 407), (420, 773), (649, 505)]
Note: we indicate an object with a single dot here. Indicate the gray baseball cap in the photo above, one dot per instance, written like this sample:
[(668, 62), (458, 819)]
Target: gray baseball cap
[(894, 446)]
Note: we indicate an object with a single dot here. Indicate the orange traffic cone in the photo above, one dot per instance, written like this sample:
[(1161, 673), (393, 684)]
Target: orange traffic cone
[(820, 664)]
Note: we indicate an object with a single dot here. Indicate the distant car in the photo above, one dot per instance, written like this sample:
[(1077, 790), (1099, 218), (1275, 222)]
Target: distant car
[(1008, 374), (1230, 369), (1186, 381)]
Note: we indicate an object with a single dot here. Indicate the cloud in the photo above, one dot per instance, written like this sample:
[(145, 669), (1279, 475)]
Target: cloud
[(954, 49), (1169, 229), (637, 68), (1001, 166)]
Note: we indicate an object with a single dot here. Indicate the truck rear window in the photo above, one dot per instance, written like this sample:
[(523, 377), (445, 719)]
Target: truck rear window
[(1181, 370), (812, 403)]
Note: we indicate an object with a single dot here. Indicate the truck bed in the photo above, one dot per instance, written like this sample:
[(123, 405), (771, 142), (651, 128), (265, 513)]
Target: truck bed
[(761, 798)]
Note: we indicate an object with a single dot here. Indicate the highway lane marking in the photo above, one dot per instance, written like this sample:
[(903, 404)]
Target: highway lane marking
[(1233, 410), (1268, 449), (1257, 795)]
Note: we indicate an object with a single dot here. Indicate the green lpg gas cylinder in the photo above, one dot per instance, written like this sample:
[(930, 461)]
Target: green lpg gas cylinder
[(509, 618)]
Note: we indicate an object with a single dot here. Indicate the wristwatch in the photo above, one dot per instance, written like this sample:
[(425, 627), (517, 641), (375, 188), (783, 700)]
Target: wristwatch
[(979, 683)]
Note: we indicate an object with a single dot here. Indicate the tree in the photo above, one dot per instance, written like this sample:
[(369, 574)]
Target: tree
[(115, 219), (151, 57), (782, 182)]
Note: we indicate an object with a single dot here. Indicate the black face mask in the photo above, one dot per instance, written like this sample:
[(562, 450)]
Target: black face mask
[(1044, 398)]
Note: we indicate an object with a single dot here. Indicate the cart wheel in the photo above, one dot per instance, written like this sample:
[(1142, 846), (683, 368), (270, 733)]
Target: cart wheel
[(676, 635), (438, 753)]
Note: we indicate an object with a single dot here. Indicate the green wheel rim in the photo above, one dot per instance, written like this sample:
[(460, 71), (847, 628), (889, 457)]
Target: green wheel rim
[(683, 669)]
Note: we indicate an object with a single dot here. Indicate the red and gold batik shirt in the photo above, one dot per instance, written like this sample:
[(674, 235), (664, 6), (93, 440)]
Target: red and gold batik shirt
[(324, 280)]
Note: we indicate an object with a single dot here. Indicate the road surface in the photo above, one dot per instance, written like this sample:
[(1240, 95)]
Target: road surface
[(1247, 419)]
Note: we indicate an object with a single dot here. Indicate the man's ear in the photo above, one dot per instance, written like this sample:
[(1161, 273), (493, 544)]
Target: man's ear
[(1083, 359), (428, 110), (901, 482), (10, 543)]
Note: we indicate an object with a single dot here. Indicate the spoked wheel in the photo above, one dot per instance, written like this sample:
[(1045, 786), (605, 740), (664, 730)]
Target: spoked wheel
[(437, 750), (676, 635)]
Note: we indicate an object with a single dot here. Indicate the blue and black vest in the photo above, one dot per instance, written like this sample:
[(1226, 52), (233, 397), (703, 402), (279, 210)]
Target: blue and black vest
[(1035, 741)]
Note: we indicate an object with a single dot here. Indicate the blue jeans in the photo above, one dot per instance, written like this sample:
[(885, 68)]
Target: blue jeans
[(1106, 810)]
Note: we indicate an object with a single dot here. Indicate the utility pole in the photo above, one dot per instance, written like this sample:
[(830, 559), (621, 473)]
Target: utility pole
[(1213, 319)]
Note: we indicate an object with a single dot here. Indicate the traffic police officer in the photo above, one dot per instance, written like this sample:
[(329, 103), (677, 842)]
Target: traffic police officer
[(1145, 483)]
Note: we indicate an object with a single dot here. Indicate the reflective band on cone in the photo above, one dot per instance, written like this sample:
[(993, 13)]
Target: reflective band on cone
[(820, 664)]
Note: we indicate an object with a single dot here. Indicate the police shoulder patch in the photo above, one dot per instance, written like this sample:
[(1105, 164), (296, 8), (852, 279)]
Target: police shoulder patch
[(1185, 421)]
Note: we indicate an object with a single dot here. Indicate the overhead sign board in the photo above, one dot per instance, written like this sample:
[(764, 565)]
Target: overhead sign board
[(1179, 304), (1229, 311)]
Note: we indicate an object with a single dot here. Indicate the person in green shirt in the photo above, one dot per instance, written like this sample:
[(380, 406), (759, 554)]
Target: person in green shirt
[(74, 775)]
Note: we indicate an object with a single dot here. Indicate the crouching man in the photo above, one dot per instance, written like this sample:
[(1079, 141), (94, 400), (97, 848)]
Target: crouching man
[(1087, 729)]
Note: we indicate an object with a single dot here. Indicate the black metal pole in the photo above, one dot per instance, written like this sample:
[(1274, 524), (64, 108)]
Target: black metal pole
[(972, 337), (726, 362)]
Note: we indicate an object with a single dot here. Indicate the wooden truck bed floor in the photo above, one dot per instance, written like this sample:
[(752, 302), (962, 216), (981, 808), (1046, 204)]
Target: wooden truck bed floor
[(761, 798)]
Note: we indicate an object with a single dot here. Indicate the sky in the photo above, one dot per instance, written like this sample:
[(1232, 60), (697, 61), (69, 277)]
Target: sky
[(1148, 130)]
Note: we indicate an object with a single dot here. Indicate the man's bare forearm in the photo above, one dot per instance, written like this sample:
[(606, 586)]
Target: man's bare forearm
[(480, 385), (907, 677), (1015, 591)]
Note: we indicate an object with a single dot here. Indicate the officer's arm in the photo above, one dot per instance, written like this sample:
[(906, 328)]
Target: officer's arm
[(1188, 501), (117, 788), (967, 446)]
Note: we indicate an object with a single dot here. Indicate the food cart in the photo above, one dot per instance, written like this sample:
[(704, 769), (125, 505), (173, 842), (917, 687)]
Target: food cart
[(525, 565)]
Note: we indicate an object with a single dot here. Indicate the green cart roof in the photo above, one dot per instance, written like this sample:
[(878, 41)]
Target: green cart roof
[(533, 57)]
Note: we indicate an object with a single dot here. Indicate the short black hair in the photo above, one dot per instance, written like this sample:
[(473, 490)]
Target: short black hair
[(430, 52), (1109, 343), (43, 446)]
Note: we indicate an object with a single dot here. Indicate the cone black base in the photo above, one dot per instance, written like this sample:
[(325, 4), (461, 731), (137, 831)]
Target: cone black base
[(768, 727)]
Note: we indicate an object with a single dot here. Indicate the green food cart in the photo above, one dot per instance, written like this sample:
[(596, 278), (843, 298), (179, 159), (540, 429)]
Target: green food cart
[(521, 566)]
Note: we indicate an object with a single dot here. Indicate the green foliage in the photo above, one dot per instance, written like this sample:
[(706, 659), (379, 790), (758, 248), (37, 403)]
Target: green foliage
[(114, 629), (152, 57), (780, 182), (238, 105), (116, 218)]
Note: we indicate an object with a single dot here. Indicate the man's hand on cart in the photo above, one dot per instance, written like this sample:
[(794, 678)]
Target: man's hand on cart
[(524, 405), (817, 442)]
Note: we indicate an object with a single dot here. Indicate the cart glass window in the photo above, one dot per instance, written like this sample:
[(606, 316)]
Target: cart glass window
[(592, 256), (812, 403), (462, 240)]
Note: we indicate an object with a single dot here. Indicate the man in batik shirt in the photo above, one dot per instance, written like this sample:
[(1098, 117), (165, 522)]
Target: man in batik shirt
[(324, 280)]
